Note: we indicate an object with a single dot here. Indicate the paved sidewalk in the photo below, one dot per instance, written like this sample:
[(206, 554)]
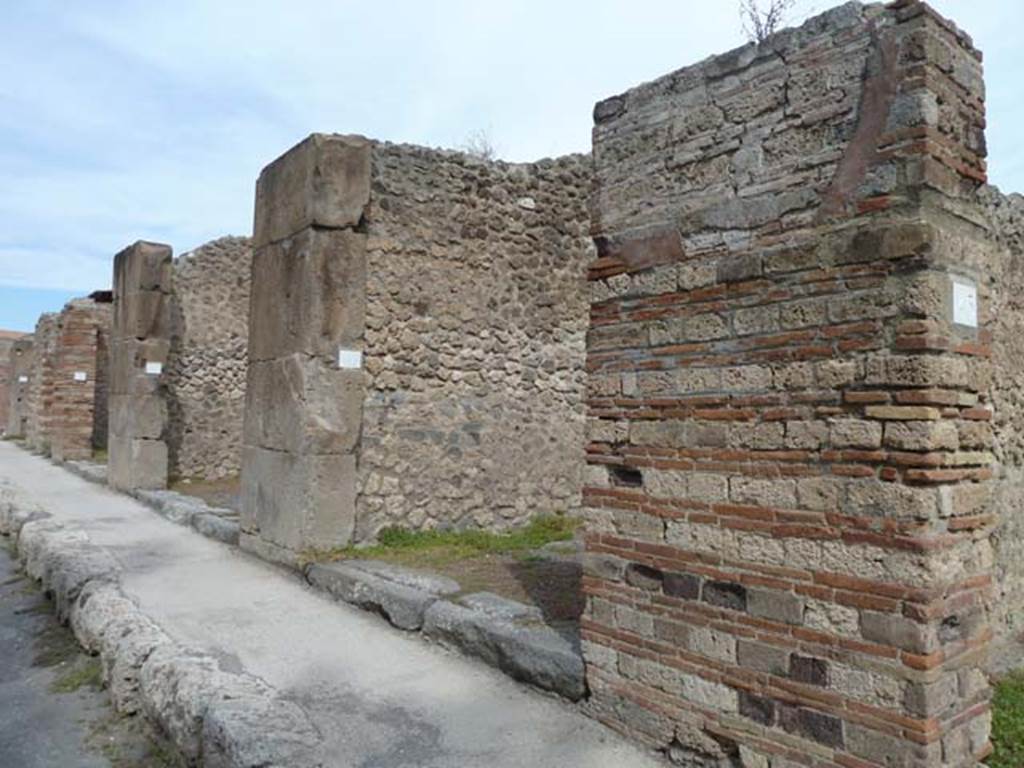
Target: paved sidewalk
[(382, 699)]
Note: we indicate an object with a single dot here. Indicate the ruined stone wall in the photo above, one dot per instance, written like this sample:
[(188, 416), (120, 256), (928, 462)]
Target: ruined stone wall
[(41, 383), (416, 345), (139, 347), (78, 425), (206, 368), (475, 324), (790, 459), (7, 340), (19, 372), (1006, 216)]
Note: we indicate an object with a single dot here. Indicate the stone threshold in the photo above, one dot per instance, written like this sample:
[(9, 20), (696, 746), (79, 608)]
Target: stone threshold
[(505, 634)]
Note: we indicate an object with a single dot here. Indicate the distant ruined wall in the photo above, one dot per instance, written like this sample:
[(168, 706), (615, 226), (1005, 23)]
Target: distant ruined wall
[(416, 346), (41, 383), (206, 367), (1006, 219), (19, 373), (78, 423), (789, 396), (7, 341)]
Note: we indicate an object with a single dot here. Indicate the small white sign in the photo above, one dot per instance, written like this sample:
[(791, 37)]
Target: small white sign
[(965, 303), (350, 358), (81, 376), (154, 369), (23, 379)]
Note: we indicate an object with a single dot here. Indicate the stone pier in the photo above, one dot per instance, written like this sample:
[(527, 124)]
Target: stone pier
[(80, 366), (416, 344), (11, 357), (790, 392), (19, 371), (140, 342), (39, 398)]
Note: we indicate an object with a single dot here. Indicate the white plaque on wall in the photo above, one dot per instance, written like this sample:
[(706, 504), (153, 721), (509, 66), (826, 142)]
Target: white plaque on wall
[(81, 376), (23, 379), (350, 358), (965, 303), (154, 369)]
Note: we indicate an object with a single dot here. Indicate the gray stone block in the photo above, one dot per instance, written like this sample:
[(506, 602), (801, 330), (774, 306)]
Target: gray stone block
[(143, 266), (402, 605), (142, 416), (216, 527), (145, 314), (324, 181), (535, 654), (308, 295), (137, 463), (410, 577), (498, 607), (298, 503), (302, 406)]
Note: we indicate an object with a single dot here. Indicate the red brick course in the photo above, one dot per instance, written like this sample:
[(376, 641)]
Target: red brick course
[(787, 523)]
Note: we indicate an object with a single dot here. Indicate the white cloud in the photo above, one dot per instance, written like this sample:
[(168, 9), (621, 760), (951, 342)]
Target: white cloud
[(123, 120)]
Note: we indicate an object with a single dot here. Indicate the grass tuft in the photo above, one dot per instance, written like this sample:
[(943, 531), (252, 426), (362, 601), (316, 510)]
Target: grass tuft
[(87, 673), (436, 548), (1008, 723)]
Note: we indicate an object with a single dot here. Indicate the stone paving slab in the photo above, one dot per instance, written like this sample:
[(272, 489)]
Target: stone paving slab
[(375, 696)]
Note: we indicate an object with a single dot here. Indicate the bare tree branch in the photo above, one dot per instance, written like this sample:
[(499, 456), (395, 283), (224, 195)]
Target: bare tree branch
[(759, 22), (479, 144)]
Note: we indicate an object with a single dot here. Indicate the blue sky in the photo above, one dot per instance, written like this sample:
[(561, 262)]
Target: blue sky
[(151, 119)]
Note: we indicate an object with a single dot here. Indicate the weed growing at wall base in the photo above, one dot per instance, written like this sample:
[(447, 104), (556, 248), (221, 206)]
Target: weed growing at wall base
[(1008, 723), (425, 548)]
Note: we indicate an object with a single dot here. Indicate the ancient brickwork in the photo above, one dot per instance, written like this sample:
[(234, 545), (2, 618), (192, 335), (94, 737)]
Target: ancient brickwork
[(139, 348), (206, 367), (80, 362), (416, 343), (19, 371), (789, 402), (7, 341), (1006, 219), (39, 400)]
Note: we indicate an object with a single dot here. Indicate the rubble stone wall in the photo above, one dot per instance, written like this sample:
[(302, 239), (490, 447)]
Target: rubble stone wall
[(139, 348), (416, 343), (206, 366), (475, 329), (790, 451), (19, 372), (1007, 318), (80, 363)]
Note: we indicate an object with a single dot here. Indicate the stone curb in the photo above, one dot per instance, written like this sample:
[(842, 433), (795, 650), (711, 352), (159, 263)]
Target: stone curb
[(214, 719), (212, 522), (87, 470), (503, 633)]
